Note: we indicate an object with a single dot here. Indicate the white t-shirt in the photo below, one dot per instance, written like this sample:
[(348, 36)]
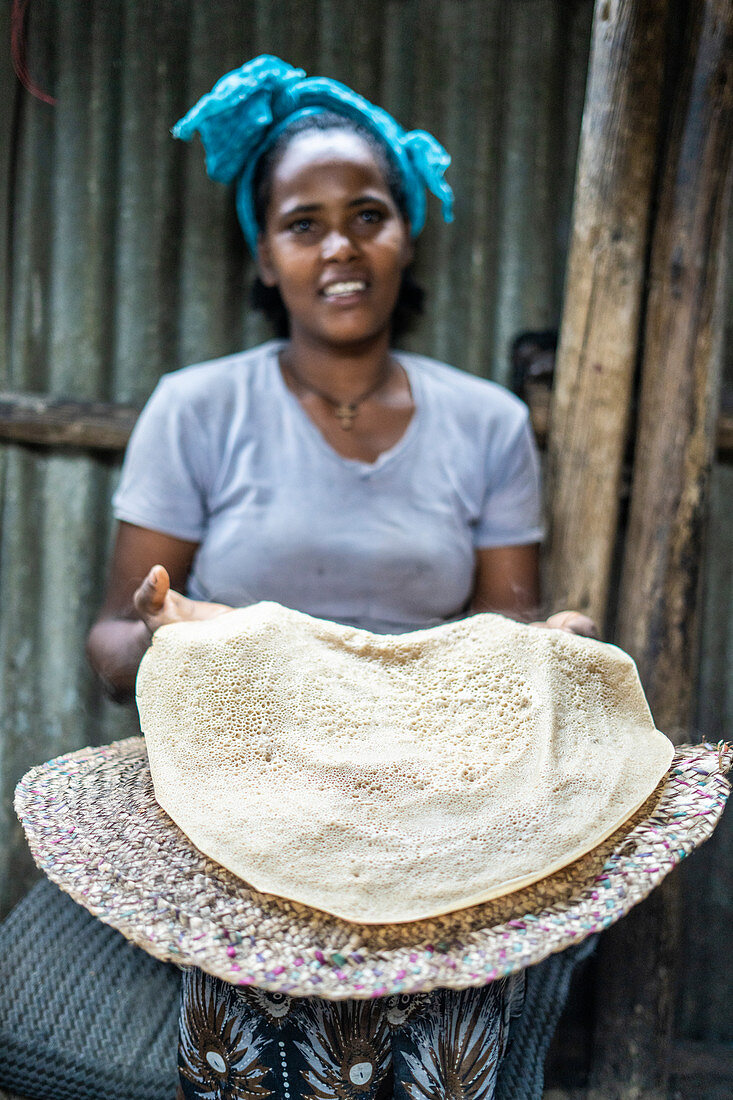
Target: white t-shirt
[(224, 455)]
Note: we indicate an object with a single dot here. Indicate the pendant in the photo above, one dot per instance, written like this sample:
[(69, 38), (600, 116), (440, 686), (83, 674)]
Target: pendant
[(346, 414)]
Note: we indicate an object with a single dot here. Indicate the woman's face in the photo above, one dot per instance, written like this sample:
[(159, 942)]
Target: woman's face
[(335, 243)]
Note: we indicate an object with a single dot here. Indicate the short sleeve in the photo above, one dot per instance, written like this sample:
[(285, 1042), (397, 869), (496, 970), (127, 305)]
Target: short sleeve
[(162, 486), (511, 513)]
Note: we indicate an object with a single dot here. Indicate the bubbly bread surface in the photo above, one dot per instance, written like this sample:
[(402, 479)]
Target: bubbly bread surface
[(387, 778)]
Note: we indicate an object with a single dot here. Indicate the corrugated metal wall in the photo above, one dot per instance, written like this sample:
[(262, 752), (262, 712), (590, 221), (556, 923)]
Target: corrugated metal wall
[(121, 260)]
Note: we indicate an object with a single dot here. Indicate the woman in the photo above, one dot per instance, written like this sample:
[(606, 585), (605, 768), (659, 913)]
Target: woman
[(337, 476)]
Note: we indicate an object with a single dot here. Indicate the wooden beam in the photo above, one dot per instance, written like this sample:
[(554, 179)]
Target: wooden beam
[(681, 374), (724, 437), (701, 1063), (38, 420), (634, 1001), (603, 297), (675, 439), (46, 421)]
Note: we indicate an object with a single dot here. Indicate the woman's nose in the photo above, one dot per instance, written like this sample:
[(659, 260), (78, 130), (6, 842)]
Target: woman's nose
[(337, 246)]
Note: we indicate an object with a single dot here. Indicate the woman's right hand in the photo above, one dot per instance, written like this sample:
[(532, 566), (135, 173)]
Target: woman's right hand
[(158, 604), (132, 609)]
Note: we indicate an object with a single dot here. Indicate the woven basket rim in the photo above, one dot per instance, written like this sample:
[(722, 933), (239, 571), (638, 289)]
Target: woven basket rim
[(95, 829)]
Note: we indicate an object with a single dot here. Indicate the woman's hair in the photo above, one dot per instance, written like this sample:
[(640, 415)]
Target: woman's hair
[(411, 296)]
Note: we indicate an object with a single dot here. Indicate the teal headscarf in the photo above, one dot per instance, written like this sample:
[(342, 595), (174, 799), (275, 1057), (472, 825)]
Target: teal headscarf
[(247, 110)]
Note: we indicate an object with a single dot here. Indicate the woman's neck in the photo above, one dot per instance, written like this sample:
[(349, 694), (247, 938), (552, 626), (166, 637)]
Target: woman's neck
[(341, 372)]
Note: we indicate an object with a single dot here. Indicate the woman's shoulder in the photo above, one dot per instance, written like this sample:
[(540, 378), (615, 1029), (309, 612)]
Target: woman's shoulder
[(462, 392), (214, 380)]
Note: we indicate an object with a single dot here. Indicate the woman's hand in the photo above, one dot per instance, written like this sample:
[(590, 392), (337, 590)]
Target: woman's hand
[(573, 622), (158, 605), (132, 610), (508, 581)]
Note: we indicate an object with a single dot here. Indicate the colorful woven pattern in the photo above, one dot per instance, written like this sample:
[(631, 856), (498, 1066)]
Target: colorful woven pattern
[(95, 828)]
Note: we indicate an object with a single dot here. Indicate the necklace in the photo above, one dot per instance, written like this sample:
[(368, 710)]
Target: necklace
[(344, 411)]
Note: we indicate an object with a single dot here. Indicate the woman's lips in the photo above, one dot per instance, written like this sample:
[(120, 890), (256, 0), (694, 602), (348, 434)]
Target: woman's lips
[(346, 290)]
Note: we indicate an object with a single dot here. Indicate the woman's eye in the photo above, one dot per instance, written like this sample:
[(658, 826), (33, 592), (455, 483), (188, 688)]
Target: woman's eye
[(370, 216), (302, 225)]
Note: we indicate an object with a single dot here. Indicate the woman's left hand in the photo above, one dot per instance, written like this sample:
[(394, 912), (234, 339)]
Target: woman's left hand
[(573, 622)]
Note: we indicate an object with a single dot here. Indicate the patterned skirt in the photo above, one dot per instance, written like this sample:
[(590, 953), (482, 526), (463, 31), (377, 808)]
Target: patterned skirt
[(246, 1044)]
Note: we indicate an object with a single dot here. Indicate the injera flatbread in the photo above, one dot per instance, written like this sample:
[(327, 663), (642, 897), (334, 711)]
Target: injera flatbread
[(388, 778)]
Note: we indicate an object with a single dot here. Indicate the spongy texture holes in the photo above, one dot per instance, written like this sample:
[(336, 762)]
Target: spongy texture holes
[(442, 765)]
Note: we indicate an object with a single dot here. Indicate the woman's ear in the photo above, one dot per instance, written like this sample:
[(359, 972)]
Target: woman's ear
[(265, 267)]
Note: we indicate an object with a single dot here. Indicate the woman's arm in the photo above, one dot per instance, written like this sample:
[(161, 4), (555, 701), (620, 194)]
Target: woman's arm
[(140, 597), (507, 580)]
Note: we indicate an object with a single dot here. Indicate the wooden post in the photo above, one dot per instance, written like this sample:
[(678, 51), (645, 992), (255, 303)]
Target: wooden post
[(681, 371), (674, 449), (603, 297)]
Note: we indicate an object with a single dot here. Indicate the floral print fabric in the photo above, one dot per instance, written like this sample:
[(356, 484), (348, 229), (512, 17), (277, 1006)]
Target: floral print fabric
[(246, 1044)]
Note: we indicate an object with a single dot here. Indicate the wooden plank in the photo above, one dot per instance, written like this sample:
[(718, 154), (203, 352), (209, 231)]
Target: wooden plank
[(634, 994), (564, 1094), (705, 987), (105, 425), (45, 421), (697, 1061), (603, 298), (724, 437), (681, 375), (701, 1070), (658, 601), (698, 1069)]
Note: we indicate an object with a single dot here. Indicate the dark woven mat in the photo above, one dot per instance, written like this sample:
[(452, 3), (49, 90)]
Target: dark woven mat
[(522, 1072), (84, 1015)]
